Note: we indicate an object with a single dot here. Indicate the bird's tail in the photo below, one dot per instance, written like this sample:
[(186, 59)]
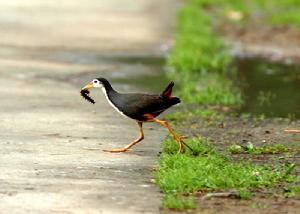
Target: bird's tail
[(168, 91), (167, 94)]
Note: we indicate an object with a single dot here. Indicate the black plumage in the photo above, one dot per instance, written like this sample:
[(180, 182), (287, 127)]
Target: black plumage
[(141, 107)]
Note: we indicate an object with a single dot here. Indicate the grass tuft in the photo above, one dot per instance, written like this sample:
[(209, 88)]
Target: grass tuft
[(199, 145), (272, 149), (178, 202), (292, 191)]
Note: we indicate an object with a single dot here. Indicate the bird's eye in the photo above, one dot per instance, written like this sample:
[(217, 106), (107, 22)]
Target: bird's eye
[(95, 81)]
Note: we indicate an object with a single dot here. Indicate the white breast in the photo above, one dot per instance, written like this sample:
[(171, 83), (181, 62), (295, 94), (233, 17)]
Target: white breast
[(110, 103)]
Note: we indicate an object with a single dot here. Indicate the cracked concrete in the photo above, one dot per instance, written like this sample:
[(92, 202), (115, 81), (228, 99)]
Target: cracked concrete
[(51, 139)]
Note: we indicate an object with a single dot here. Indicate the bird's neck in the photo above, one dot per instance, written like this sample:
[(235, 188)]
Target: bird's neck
[(108, 90), (110, 94), (107, 87)]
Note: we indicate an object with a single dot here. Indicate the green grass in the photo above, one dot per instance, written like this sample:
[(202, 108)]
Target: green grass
[(197, 49), (199, 60), (293, 191), (271, 149), (211, 88), (178, 202), (279, 12), (208, 170), (206, 114)]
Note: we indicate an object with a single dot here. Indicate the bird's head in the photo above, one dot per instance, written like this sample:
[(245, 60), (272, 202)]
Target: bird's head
[(95, 83)]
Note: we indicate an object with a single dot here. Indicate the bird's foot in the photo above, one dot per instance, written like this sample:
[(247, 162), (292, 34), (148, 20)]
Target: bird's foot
[(180, 140), (116, 150), (180, 143), (181, 148)]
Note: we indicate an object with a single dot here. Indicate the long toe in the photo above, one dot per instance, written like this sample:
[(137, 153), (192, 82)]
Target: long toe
[(180, 139), (183, 137), (116, 150), (182, 148)]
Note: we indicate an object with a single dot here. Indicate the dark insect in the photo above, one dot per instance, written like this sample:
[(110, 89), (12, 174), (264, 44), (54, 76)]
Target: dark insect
[(85, 95)]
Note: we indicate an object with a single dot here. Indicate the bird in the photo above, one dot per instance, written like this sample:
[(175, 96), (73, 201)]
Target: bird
[(140, 107)]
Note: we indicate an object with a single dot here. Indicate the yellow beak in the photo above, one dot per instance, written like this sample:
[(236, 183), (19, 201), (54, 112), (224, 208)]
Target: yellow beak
[(88, 86)]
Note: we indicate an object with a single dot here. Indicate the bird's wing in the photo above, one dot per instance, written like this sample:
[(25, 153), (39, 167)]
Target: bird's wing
[(139, 104)]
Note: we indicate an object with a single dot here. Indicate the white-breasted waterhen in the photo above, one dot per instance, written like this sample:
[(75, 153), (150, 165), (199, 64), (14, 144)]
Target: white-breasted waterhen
[(137, 106)]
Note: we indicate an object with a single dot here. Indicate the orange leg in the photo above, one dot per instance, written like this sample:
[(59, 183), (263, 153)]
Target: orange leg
[(126, 148), (179, 139)]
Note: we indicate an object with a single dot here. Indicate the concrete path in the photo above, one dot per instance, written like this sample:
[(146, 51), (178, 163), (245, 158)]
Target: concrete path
[(51, 140)]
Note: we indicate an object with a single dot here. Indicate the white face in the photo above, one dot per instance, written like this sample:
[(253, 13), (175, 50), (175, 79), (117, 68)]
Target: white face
[(97, 83)]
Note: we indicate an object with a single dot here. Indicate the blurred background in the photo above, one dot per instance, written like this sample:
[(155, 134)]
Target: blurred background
[(64, 39)]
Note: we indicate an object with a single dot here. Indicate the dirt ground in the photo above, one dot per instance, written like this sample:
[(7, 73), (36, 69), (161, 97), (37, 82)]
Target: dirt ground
[(260, 203), (274, 43), (230, 130)]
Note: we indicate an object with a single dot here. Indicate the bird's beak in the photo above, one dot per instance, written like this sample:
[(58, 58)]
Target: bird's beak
[(88, 86)]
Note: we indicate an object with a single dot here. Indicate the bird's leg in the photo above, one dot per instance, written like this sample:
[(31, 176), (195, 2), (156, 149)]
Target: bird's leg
[(178, 139), (126, 148)]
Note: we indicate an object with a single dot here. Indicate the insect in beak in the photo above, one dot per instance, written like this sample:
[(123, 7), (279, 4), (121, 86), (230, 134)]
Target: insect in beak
[(85, 92)]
